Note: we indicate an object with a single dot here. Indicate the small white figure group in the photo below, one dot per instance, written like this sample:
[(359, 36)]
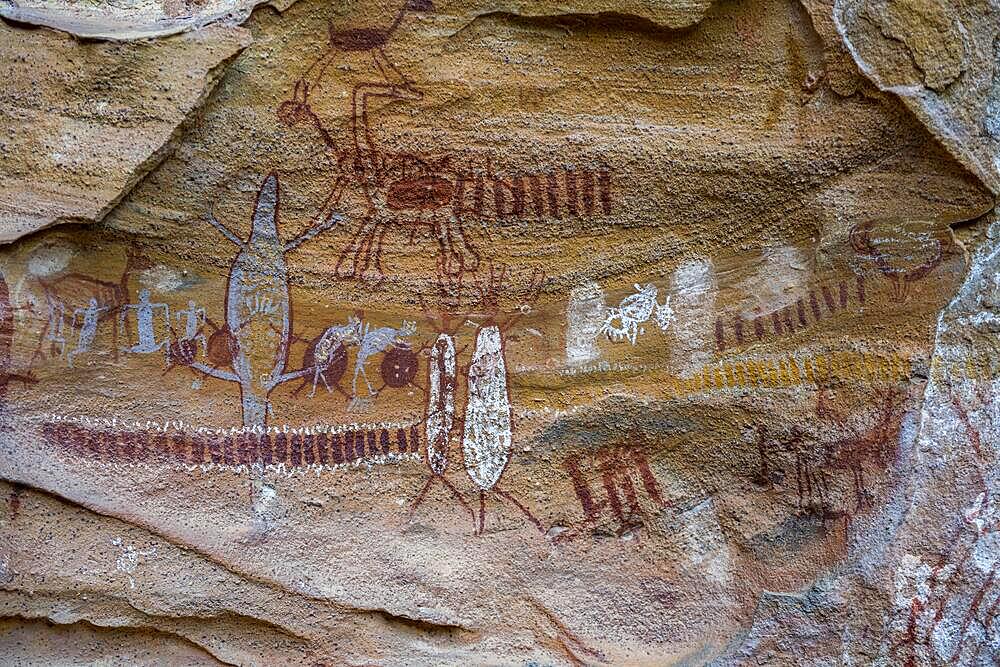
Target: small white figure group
[(624, 321)]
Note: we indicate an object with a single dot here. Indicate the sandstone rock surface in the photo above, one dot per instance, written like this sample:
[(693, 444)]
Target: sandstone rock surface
[(84, 122), (518, 333)]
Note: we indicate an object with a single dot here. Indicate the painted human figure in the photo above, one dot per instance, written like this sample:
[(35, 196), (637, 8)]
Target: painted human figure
[(145, 314), (55, 333), (88, 329), (194, 320)]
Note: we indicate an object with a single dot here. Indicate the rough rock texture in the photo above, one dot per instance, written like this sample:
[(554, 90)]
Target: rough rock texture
[(943, 60), (130, 19), (84, 122), (621, 333)]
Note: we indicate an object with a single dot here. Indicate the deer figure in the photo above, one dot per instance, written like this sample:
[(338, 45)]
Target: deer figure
[(874, 444), (73, 291)]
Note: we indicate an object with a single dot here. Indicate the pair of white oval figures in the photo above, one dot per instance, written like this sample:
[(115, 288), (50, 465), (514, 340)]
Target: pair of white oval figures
[(486, 433)]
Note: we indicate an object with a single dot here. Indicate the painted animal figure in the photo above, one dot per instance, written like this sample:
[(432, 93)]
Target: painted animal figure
[(357, 40), (373, 342), (623, 321), (258, 309), (396, 195), (367, 39), (487, 437), (413, 198), (442, 381), (903, 253), (328, 349), (73, 291), (874, 445)]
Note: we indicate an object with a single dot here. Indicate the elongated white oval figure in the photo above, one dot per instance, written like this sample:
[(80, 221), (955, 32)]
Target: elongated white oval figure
[(440, 402), (486, 441)]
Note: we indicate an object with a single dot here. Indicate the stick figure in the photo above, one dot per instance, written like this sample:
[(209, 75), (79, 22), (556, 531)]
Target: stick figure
[(55, 333), (144, 316), (88, 329), (194, 320)]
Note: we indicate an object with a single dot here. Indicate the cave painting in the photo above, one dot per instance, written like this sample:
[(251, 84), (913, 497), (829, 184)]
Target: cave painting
[(440, 194), (258, 308), (145, 314), (181, 446), (372, 342), (439, 420), (624, 321), (902, 252), (87, 300), (685, 450), (944, 606), (7, 310), (822, 301), (327, 355), (194, 319)]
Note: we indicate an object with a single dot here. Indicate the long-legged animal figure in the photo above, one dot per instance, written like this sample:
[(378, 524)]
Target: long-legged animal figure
[(370, 40), (396, 196)]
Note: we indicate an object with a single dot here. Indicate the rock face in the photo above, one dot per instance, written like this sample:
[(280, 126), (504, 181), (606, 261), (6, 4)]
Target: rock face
[(513, 333), (85, 122), (942, 60)]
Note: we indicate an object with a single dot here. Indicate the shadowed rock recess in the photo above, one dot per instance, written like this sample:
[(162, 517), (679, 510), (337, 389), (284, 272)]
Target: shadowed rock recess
[(450, 332)]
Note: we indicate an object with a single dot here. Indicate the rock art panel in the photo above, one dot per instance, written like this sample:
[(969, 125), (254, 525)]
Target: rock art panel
[(447, 333)]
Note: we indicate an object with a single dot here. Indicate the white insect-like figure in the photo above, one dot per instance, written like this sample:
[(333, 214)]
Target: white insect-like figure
[(442, 375), (623, 322), (487, 438), (373, 342)]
